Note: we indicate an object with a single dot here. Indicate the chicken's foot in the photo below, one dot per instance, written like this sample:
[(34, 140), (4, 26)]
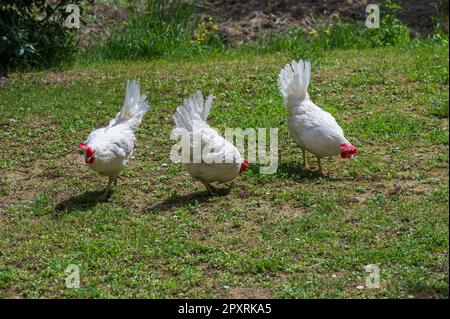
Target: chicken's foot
[(108, 188), (118, 177), (306, 167), (211, 189)]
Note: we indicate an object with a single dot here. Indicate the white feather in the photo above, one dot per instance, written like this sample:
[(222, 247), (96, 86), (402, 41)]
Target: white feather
[(190, 118), (114, 144), (314, 129), (134, 107)]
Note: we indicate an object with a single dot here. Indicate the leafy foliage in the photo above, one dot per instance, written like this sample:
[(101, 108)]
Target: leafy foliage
[(392, 31), (32, 33)]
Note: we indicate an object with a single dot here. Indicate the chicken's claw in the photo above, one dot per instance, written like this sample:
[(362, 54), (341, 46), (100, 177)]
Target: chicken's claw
[(308, 168)]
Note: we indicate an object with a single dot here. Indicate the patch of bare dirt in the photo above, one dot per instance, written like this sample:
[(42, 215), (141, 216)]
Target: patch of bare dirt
[(439, 171), (64, 77), (98, 20), (241, 21), (10, 293), (10, 181), (55, 78), (413, 188), (23, 185)]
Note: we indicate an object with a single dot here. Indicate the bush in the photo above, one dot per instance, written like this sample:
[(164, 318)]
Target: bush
[(392, 31), (32, 33)]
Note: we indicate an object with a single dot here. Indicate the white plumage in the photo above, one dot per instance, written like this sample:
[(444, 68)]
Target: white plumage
[(108, 149), (212, 158), (314, 129)]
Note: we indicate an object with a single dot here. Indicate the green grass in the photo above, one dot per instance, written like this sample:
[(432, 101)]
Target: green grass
[(289, 235)]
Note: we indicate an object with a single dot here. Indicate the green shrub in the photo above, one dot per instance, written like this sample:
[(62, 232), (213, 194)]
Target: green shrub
[(391, 31), (32, 33)]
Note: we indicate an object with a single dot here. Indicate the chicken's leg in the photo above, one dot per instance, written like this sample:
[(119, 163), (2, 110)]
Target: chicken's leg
[(211, 189), (306, 167), (320, 166), (118, 177), (108, 188)]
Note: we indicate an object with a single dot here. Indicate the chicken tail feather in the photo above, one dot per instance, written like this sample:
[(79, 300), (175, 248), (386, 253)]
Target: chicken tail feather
[(134, 107), (293, 82), (194, 109)]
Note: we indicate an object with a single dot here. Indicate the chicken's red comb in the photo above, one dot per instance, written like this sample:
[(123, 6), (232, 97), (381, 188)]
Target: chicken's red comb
[(89, 151), (348, 149), (244, 165)]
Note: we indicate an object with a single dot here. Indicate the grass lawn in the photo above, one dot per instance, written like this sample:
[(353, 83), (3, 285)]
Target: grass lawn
[(288, 235)]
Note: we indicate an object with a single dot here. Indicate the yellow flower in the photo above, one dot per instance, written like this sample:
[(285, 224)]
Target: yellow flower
[(313, 32), (327, 31)]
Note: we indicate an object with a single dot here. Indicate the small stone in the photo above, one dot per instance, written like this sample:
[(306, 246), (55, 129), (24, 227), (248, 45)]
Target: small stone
[(333, 276), (164, 165), (360, 287), (226, 287)]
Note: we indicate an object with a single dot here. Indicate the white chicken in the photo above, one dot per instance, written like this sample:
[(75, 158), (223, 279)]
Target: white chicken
[(108, 149), (211, 157), (314, 129)]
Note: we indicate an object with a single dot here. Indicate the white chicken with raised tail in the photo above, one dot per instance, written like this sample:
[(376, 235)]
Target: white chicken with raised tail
[(314, 129), (207, 156), (107, 150)]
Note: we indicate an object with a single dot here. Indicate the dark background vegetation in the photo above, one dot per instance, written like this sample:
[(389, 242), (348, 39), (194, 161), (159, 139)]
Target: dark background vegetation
[(32, 32)]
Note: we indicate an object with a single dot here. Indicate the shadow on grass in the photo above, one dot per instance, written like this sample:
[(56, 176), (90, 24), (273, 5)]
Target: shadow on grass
[(295, 171), (82, 202), (290, 170), (176, 200)]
